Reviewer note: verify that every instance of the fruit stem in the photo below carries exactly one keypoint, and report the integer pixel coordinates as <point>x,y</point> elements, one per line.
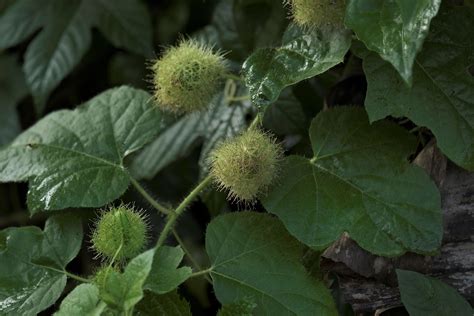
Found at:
<point>256,121</point>
<point>172,217</point>
<point>144,193</point>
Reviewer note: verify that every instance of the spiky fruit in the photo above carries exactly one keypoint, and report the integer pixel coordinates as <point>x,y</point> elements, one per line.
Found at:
<point>187,77</point>
<point>246,165</point>
<point>102,274</point>
<point>318,13</point>
<point>120,227</point>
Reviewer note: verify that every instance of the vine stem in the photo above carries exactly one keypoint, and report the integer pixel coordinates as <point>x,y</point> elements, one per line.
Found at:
<point>189,255</point>
<point>172,217</point>
<point>150,200</point>
<point>76,277</point>
<point>239,98</point>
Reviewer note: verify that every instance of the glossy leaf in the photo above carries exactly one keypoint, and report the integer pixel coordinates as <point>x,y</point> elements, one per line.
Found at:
<point>122,291</point>
<point>32,264</point>
<point>12,89</point>
<point>359,182</point>
<point>442,94</point>
<point>165,275</point>
<point>395,29</point>
<point>304,53</point>
<point>170,304</point>
<point>75,158</point>
<point>254,258</point>
<point>66,35</point>
<point>426,296</point>
<point>84,300</point>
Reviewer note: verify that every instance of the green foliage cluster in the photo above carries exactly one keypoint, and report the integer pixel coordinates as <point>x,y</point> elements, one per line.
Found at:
<point>341,161</point>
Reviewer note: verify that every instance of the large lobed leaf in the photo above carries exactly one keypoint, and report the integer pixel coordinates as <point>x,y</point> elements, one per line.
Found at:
<point>304,53</point>
<point>358,181</point>
<point>75,158</point>
<point>426,296</point>
<point>395,29</point>
<point>170,304</point>
<point>66,35</point>
<point>254,258</point>
<point>32,264</point>
<point>442,95</point>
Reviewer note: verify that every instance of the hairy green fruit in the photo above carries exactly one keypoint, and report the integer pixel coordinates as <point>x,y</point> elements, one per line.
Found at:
<point>246,165</point>
<point>187,77</point>
<point>317,13</point>
<point>120,233</point>
<point>102,274</point>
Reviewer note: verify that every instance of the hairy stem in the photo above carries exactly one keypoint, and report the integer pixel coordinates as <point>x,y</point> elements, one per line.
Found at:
<point>189,255</point>
<point>172,217</point>
<point>202,272</point>
<point>144,193</point>
<point>76,277</point>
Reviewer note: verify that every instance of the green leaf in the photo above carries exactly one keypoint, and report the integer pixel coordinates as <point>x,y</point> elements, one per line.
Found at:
<point>359,182</point>
<point>32,264</point>
<point>395,29</point>
<point>242,308</point>
<point>253,257</point>
<point>82,301</point>
<point>165,276</point>
<point>286,115</point>
<point>426,296</point>
<point>121,291</point>
<point>66,35</point>
<point>12,89</point>
<point>442,94</point>
<point>75,158</point>
<point>170,304</point>
<point>304,53</point>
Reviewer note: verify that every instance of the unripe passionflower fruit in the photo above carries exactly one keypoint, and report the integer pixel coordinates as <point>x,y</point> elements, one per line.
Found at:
<point>102,274</point>
<point>317,13</point>
<point>246,165</point>
<point>120,227</point>
<point>187,76</point>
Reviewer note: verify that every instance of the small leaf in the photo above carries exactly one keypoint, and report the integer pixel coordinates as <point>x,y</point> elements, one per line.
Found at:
<point>170,304</point>
<point>122,291</point>
<point>304,53</point>
<point>426,296</point>
<point>75,158</point>
<point>32,263</point>
<point>82,301</point>
<point>395,29</point>
<point>165,275</point>
<point>359,182</point>
<point>66,35</point>
<point>442,94</point>
<point>253,257</point>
